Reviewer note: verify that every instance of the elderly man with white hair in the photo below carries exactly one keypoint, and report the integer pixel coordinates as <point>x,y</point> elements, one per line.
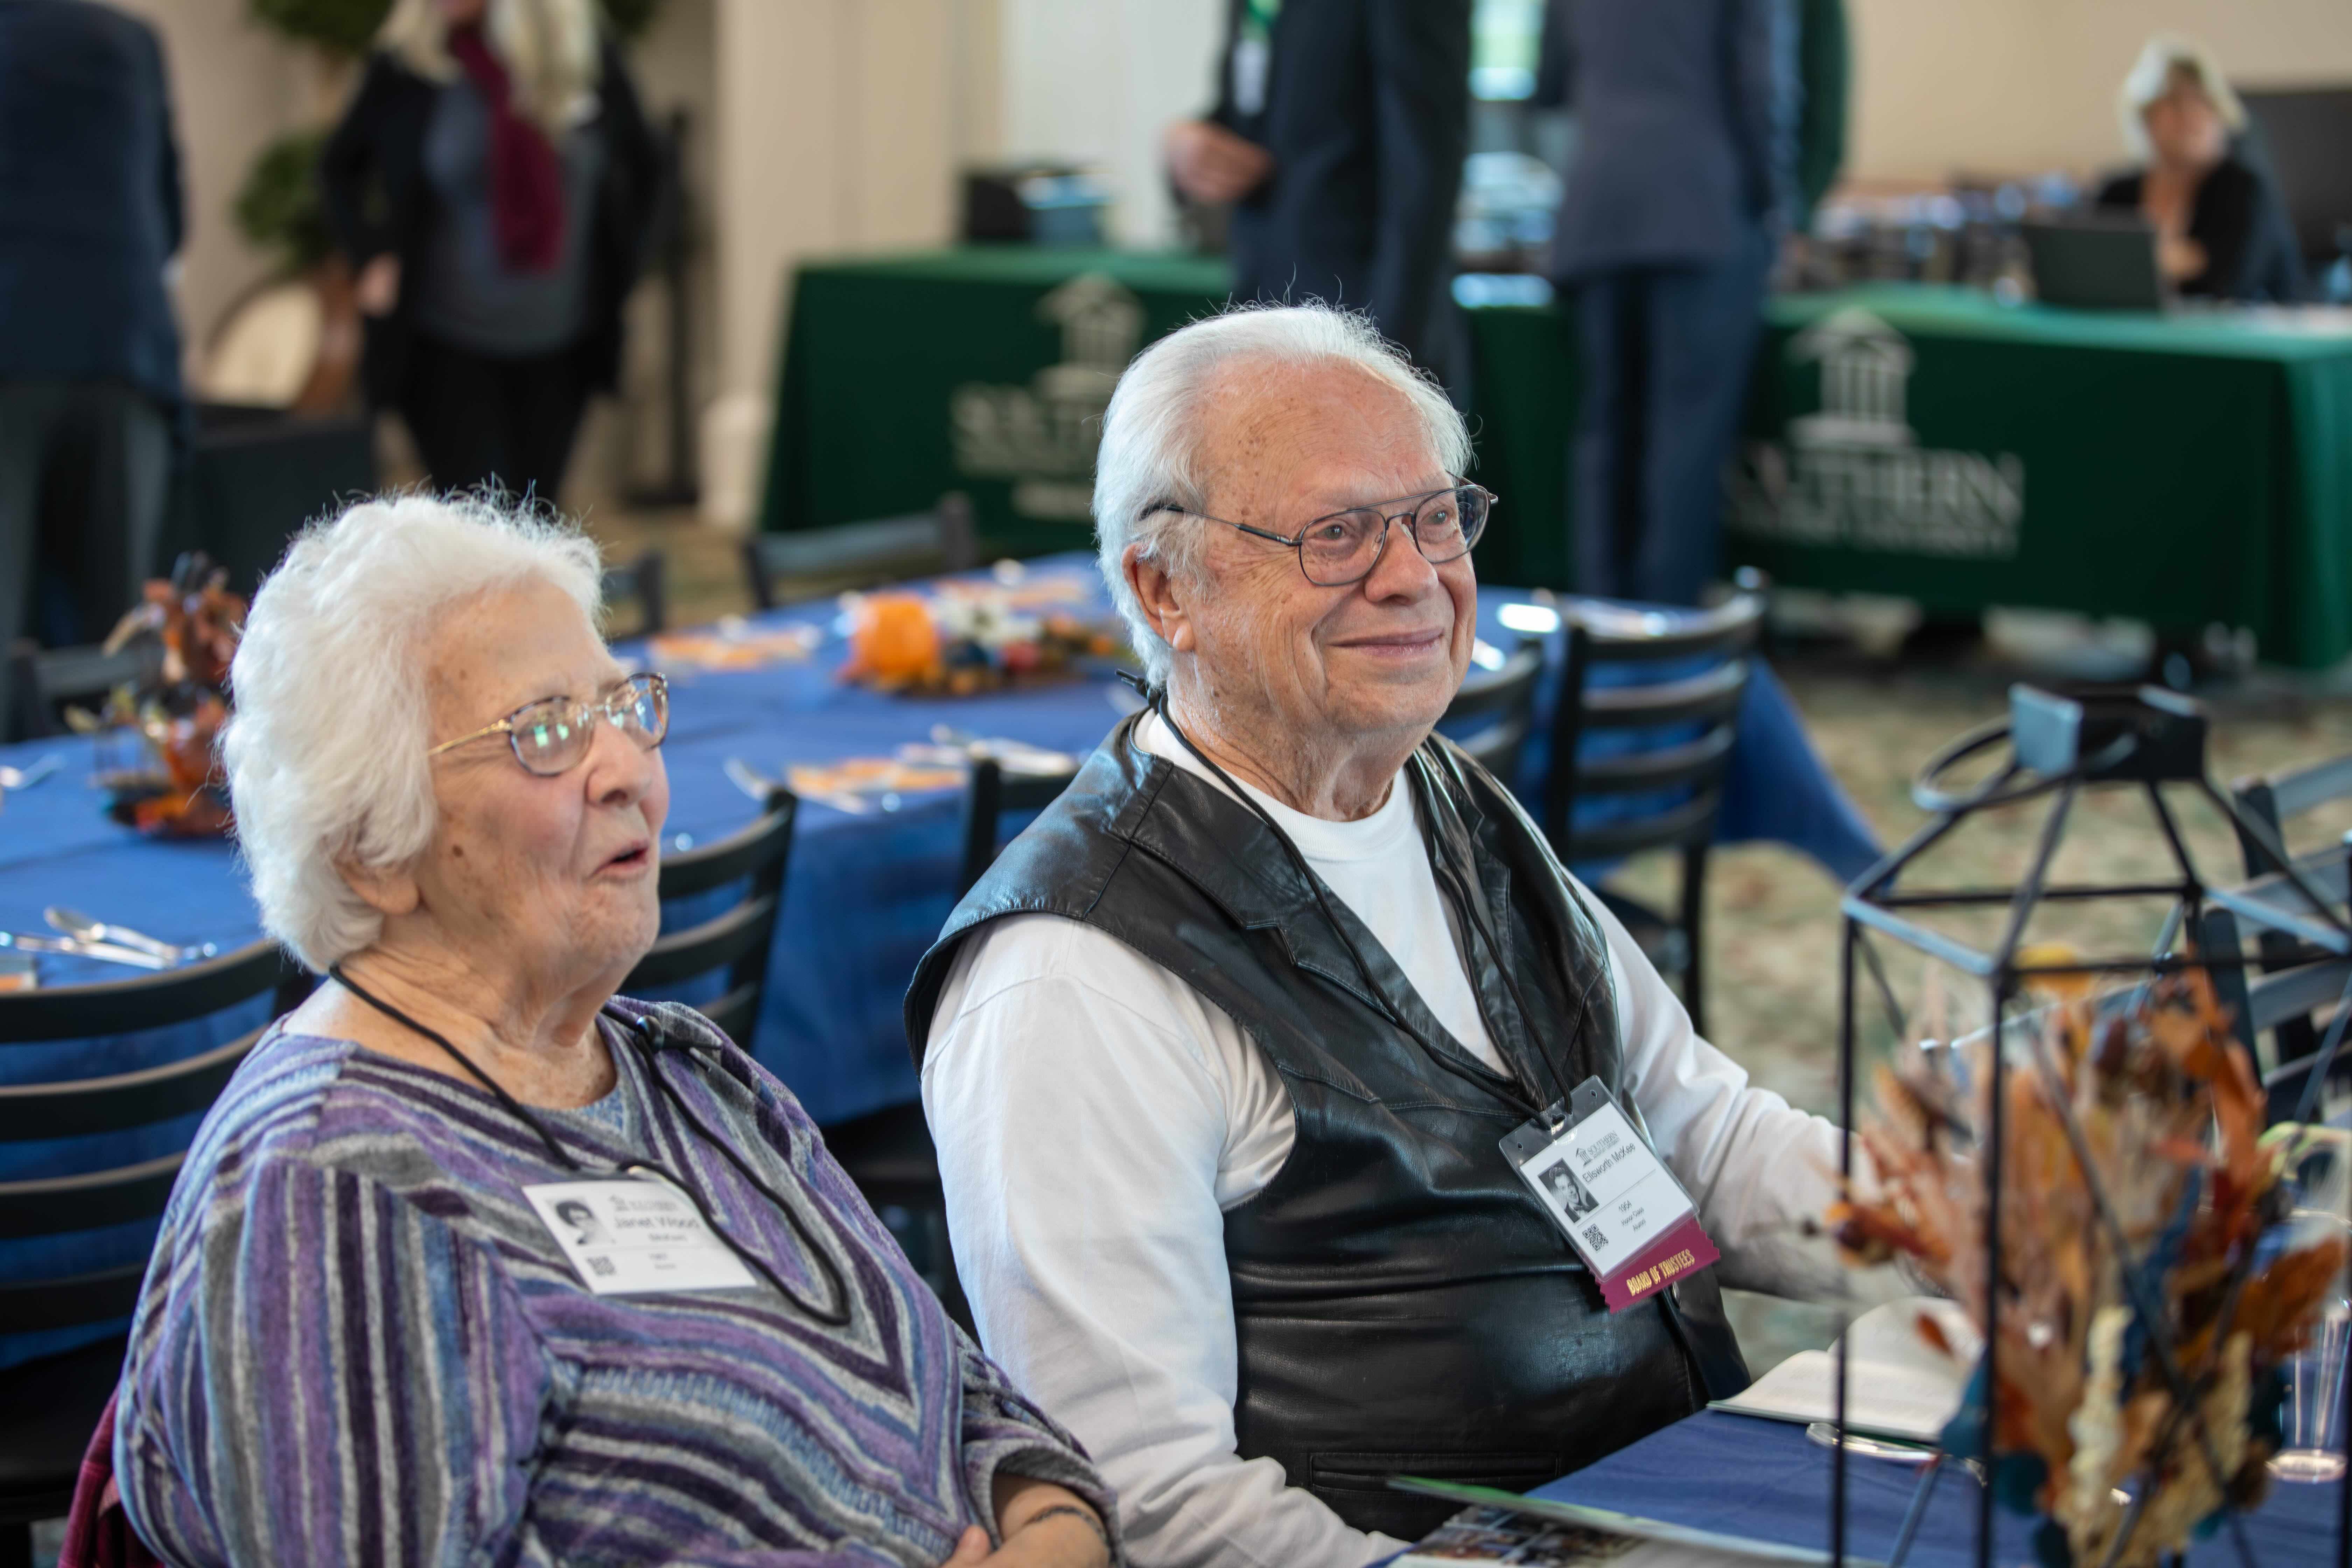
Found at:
<point>1218,1053</point>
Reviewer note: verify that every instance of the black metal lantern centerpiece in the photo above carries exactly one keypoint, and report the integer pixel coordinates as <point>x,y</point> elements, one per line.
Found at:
<point>2060,746</point>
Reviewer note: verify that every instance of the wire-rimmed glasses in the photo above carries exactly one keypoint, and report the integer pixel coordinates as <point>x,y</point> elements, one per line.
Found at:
<point>552,735</point>
<point>1345,547</point>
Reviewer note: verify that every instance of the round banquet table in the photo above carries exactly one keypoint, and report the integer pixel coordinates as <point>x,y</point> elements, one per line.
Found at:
<point>865,895</point>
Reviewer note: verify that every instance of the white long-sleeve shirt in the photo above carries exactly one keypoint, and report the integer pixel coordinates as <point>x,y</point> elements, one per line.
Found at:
<point>1096,1116</point>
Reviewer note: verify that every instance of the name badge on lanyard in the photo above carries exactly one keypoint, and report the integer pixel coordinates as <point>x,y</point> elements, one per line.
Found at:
<point>630,1237</point>
<point>1610,1196</point>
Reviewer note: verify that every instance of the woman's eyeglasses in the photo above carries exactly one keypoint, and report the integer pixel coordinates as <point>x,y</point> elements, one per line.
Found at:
<point>552,735</point>
<point>1345,547</point>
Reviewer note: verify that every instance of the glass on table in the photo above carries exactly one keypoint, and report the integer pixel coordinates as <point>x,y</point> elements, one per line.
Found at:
<point>2310,1416</point>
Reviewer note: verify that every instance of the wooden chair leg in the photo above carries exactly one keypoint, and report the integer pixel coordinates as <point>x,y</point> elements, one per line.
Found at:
<point>1694,954</point>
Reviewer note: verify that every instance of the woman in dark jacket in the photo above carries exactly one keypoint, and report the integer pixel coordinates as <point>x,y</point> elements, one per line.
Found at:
<point>2221,229</point>
<point>491,184</point>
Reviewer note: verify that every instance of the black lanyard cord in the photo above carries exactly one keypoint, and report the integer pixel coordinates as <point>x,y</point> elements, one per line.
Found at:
<point>834,1316</point>
<point>1436,1053</point>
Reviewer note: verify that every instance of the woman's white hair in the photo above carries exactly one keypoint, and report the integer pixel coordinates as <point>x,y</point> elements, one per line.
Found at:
<point>549,47</point>
<point>2152,73</point>
<point>325,748</point>
<point>1150,455</point>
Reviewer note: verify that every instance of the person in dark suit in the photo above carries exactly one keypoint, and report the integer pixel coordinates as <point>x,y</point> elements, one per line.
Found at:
<point>491,184</point>
<point>1673,205</point>
<point>89,355</point>
<point>1339,130</point>
<point>2220,224</point>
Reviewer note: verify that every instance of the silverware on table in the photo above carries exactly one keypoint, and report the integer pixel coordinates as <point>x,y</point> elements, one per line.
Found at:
<point>87,928</point>
<point>26,778</point>
<point>757,785</point>
<point>105,951</point>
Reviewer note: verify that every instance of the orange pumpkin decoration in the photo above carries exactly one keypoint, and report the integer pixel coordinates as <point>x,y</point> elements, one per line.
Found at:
<point>892,641</point>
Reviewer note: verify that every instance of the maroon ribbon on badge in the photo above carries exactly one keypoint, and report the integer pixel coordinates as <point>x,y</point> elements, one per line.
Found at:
<point>1684,1249</point>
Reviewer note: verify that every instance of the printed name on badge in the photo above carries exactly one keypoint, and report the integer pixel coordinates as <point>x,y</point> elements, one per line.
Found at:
<point>625,1237</point>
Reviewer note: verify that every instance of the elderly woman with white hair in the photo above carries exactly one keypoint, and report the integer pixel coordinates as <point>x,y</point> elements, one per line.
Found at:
<point>2221,226</point>
<point>1218,1053</point>
<point>473,1261</point>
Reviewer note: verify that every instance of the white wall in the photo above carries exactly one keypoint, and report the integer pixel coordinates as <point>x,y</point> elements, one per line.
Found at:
<point>1098,80</point>
<point>2014,86</point>
<point>235,87</point>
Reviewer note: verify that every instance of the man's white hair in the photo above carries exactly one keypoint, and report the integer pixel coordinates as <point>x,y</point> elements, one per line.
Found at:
<point>1151,456</point>
<point>325,748</point>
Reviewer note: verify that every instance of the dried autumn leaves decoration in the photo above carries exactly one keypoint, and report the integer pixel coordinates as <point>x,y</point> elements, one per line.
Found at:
<point>2101,1426</point>
<point>172,790</point>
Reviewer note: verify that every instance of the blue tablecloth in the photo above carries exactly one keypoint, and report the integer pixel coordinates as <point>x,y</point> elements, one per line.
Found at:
<point>1766,1481</point>
<point>865,895</point>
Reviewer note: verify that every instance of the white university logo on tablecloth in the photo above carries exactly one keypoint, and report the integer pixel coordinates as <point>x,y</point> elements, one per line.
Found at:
<point>1042,436</point>
<point>1855,476</point>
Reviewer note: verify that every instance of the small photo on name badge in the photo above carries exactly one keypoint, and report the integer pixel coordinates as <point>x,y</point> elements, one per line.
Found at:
<point>626,1236</point>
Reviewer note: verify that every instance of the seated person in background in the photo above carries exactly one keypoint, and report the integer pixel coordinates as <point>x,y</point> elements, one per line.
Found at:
<point>375,1328</point>
<point>2221,229</point>
<point>1218,1054</point>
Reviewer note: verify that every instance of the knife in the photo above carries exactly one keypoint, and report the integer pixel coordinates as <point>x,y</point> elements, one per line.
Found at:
<point>105,950</point>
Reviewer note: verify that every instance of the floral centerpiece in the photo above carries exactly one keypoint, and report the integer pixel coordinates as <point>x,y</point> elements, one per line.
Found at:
<point>164,783</point>
<point>977,637</point>
<point>2141,1322</point>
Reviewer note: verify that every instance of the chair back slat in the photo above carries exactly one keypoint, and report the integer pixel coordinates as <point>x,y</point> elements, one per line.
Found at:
<point>740,938</point>
<point>1621,634</point>
<point>1507,697</point>
<point>2296,993</point>
<point>54,1205</point>
<point>145,1001</point>
<point>716,943</point>
<point>34,1112</point>
<point>2304,789</point>
<point>883,549</point>
<point>1706,698</point>
<point>40,679</point>
<point>1693,822</point>
<point>42,1305</point>
<point>990,793</point>
<point>1698,762</point>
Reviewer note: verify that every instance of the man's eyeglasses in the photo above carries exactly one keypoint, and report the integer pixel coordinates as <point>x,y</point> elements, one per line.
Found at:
<point>1345,547</point>
<point>552,735</point>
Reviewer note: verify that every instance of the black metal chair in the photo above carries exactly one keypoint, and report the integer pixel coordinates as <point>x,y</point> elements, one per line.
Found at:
<point>645,584</point>
<point>992,793</point>
<point>49,1408</point>
<point>2284,1014</point>
<point>42,680</point>
<point>1689,771</point>
<point>861,554</point>
<point>739,938</point>
<point>2274,801</point>
<point>1491,716</point>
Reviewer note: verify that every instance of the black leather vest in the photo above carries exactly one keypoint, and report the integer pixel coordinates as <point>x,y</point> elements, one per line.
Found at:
<point>1402,1304</point>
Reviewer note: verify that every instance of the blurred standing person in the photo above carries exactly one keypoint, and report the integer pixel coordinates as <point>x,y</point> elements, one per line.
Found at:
<point>1675,200</point>
<point>90,216</point>
<point>491,184</point>
<point>2221,227</point>
<point>1339,134</point>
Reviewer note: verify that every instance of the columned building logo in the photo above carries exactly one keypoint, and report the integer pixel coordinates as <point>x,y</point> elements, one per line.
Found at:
<point>1854,476</point>
<point>1042,436</point>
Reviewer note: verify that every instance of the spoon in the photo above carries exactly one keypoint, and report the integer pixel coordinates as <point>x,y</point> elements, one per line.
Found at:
<point>87,928</point>
<point>26,778</point>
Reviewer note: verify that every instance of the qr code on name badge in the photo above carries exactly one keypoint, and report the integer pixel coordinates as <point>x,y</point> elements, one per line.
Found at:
<point>602,1265</point>
<point>1595,1237</point>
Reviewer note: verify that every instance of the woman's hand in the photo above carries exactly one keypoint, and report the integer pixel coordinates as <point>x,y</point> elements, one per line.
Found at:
<point>377,290</point>
<point>1059,1540</point>
<point>1212,166</point>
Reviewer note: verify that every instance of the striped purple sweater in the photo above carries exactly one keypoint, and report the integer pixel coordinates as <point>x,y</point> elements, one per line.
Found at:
<point>358,1343</point>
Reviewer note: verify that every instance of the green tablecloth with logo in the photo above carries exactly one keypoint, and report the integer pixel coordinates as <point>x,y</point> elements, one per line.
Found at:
<point>1924,442</point>
<point>1935,444</point>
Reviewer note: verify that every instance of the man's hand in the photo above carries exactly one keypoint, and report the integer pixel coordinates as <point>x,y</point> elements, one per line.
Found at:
<point>1213,166</point>
<point>1063,1540</point>
<point>377,288</point>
